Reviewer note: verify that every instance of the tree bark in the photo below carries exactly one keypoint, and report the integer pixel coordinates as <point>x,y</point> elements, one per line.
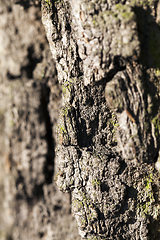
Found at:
<point>107,58</point>
<point>31,206</point>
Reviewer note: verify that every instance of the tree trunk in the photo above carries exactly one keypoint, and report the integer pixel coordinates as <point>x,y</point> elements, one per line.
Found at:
<point>107,58</point>
<point>31,206</point>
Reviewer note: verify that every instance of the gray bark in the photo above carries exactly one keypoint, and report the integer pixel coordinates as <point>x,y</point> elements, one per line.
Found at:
<point>31,206</point>
<point>107,158</point>
<point>107,58</point>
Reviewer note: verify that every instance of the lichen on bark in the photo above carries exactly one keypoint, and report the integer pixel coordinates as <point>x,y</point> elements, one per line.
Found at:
<point>108,133</point>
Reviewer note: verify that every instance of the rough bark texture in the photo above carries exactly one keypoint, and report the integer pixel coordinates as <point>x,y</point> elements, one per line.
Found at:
<point>107,158</point>
<point>107,58</point>
<point>31,206</point>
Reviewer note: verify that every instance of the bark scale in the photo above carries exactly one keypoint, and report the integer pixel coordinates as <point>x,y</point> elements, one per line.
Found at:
<point>107,58</point>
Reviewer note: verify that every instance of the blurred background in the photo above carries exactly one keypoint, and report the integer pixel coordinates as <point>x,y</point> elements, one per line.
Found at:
<point>31,206</point>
